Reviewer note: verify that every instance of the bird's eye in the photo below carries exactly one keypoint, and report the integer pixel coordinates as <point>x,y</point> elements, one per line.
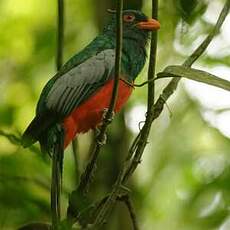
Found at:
<point>129,18</point>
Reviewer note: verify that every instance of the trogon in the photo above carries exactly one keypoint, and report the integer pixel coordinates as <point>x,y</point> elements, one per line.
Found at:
<point>74,100</point>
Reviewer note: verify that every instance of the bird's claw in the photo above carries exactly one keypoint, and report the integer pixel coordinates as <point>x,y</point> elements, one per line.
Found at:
<point>102,140</point>
<point>104,115</point>
<point>97,131</point>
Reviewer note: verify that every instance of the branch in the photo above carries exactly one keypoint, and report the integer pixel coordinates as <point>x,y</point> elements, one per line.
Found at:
<point>76,159</point>
<point>152,61</point>
<point>153,112</point>
<point>110,202</point>
<point>13,139</point>
<point>140,142</point>
<point>35,225</point>
<point>37,181</point>
<point>157,108</point>
<point>151,75</point>
<point>56,170</point>
<point>16,179</point>
<point>60,34</point>
<point>16,140</point>
<point>87,175</point>
<point>85,179</point>
<point>129,204</point>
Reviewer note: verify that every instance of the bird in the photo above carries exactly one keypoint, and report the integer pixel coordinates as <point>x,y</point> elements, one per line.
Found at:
<point>74,100</point>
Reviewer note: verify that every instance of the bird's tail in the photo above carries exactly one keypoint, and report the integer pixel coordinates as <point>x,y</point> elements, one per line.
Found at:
<point>36,128</point>
<point>57,168</point>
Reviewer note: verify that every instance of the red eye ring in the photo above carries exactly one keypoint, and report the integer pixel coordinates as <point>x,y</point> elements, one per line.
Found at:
<point>128,18</point>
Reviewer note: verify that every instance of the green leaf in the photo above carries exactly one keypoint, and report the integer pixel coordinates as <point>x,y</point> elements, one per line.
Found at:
<point>196,75</point>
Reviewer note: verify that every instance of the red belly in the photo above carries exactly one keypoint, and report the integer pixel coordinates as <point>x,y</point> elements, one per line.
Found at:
<point>89,114</point>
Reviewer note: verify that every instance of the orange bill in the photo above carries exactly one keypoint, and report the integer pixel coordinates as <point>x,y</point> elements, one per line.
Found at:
<point>151,24</point>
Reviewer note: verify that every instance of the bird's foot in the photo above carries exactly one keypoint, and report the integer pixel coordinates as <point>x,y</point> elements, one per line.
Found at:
<point>96,132</point>
<point>100,140</point>
<point>104,116</point>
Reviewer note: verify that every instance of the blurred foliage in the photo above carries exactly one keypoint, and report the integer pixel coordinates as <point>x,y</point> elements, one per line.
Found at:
<point>183,181</point>
<point>189,10</point>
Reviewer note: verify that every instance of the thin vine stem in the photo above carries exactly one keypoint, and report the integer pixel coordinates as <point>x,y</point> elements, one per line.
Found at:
<point>152,61</point>
<point>86,177</point>
<point>118,187</point>
<point>60,34</point>
<point>136,152</point>
<point>131,163</point>
<point>157,108</point>
<point>55,183</point>
<point>129,204</point>
<point>87,174</point>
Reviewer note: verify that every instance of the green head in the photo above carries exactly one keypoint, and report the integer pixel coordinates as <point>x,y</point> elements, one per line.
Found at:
<point>136,30</point>
<point>135,24</point>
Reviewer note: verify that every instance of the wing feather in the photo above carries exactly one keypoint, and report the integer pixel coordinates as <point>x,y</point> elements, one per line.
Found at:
<point>75,86</point>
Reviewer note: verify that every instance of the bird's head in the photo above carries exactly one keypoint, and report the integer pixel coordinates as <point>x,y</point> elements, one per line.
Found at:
<point>136,30</point>
<point>135,24</point>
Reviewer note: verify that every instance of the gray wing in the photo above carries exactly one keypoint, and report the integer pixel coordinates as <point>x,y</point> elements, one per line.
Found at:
<point>75,86</point>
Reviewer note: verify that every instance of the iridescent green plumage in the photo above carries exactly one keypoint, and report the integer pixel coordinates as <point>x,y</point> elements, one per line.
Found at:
<point>49,111</point>
<point>82,89</point>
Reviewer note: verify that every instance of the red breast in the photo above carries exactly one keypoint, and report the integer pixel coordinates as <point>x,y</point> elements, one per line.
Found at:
<point>89,114</point>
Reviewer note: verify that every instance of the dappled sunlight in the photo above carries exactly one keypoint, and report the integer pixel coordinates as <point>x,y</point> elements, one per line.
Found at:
<point>214,102</point>
<point>135,118</point>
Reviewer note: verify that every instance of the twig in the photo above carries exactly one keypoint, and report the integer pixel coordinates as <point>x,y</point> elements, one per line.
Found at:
<point>86,177</point>
<point>55,181</point>
<point>129,204</point>
<point>55,193</point>
<point>140,142</point>
<point>151,74</point>
<point>151,77</point>
<point>110,202</point>
<point>60,34</point>
<point>145,82</point>
<point>76,160</point>
<point>16,140</point>
<point>107,207</point>
<point>16,179</point>
<point>152,61</point>
<point>35,225</point>
<point>100,218</point>
<point>157,108</point>
<point>37,181</point>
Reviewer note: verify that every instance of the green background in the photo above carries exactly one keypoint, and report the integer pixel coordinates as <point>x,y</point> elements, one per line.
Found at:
<point>183,179</point>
